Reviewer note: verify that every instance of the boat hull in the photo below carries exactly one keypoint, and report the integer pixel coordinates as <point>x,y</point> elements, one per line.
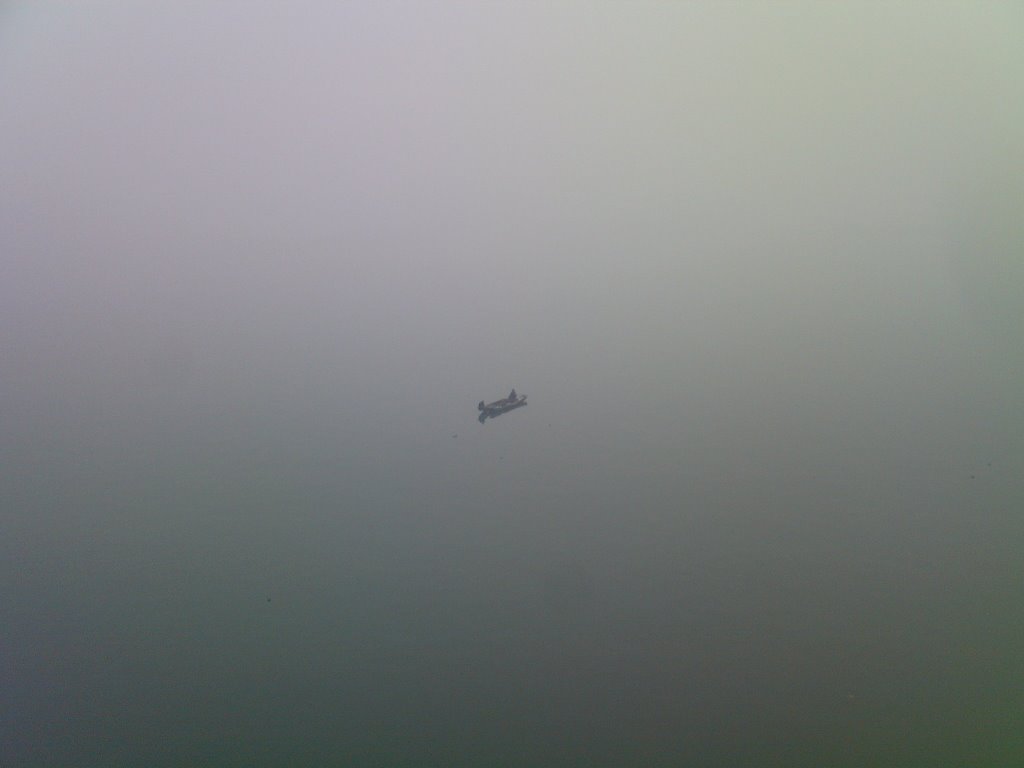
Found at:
<point>490,410</point>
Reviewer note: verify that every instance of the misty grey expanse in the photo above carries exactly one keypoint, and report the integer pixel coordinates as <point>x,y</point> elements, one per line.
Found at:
<point>759,269</point>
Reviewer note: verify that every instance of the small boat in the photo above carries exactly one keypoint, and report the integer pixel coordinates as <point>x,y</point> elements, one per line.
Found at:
<point>498,407</point>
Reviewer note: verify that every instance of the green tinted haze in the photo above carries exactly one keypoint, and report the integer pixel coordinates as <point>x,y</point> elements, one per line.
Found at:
<point>758,267</point>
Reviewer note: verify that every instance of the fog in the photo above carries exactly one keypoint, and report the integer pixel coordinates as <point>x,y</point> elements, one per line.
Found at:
<point>757,267</point>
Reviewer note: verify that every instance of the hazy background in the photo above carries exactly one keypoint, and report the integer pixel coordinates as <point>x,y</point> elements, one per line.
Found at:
<point>758,268</point>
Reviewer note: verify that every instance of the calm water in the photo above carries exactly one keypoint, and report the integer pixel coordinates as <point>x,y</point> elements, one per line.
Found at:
<point>596,579</point>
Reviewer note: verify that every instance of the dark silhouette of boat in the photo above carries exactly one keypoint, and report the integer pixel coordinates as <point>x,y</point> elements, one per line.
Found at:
<point>498,407</point>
